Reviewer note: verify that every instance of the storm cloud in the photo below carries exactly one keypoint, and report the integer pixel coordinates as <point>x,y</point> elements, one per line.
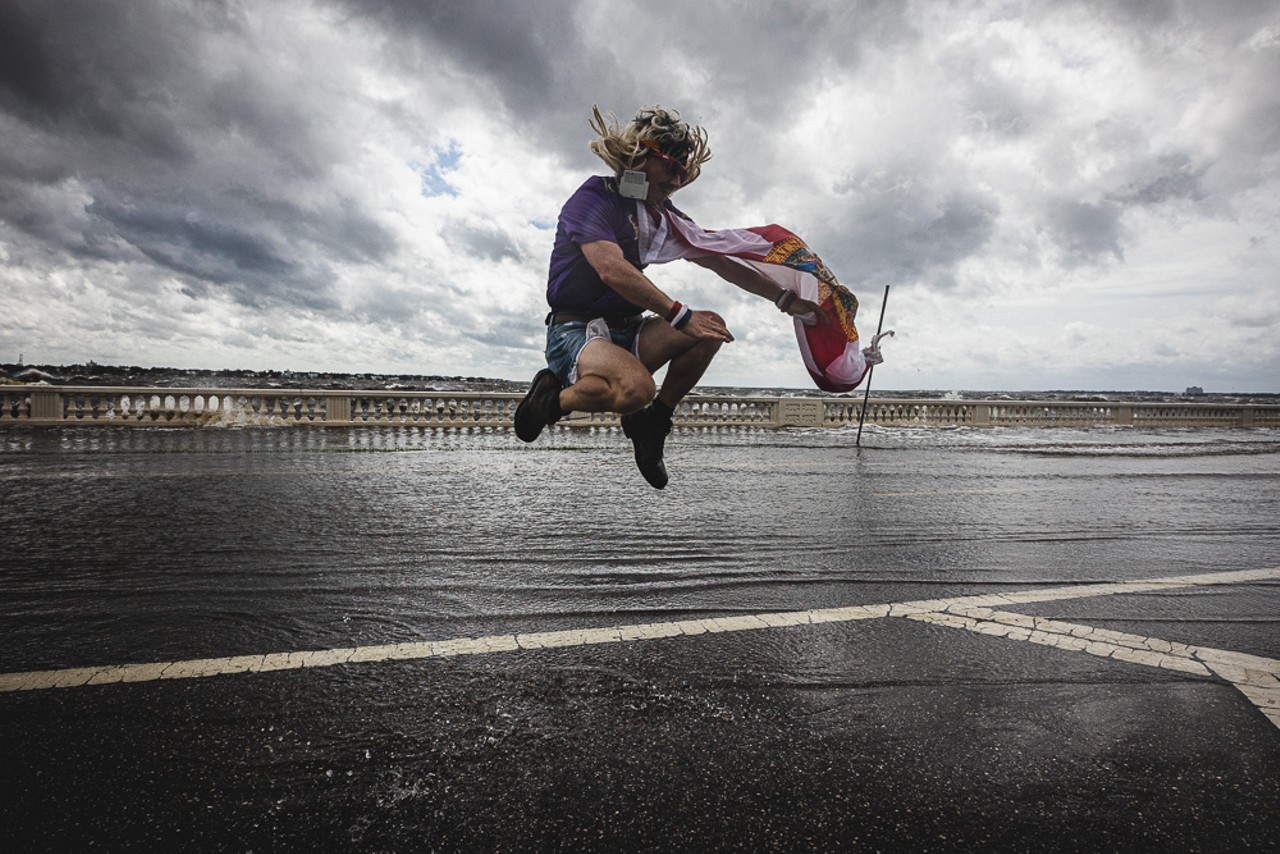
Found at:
<point>1060,195</point>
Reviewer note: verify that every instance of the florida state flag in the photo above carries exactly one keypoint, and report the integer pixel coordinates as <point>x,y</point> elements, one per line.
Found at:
<point>830,351</point>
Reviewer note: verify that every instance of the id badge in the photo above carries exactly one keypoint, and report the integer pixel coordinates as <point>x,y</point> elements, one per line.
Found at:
<point>634,185</point>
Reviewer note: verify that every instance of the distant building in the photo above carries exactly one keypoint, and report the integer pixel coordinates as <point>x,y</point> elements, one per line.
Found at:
<point>1193,390</point>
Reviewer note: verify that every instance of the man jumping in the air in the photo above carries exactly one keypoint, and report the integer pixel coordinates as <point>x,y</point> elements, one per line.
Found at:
<point>602,349</point>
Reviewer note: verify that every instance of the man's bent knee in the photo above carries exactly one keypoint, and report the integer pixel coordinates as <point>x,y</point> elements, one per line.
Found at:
<point>634,393</point>
<point>709,346</point>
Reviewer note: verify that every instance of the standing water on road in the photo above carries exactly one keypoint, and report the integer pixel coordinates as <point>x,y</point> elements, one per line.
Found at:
<point>154,543</point>
<point>139,546</point>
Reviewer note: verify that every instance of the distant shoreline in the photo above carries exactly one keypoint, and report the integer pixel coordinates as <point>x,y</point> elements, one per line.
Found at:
<point>92,374</point>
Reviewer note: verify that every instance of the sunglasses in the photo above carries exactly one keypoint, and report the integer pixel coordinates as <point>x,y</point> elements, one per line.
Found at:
<point>676,166</point>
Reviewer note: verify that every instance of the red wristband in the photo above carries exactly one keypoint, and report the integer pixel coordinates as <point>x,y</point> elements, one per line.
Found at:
<point>681,316</point>
<point>675,311</point>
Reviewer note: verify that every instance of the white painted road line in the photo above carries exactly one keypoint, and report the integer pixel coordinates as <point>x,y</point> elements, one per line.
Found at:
<point>1258,678</point>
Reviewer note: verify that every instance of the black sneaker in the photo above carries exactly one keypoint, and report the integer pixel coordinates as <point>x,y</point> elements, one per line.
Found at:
<point>648,431</point>
<point>531,414</point>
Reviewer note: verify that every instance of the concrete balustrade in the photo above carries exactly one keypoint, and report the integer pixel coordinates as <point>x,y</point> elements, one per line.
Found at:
<point>171,407</point>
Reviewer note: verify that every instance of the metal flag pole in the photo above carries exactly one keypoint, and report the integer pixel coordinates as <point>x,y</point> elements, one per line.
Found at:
<point>866,394</point>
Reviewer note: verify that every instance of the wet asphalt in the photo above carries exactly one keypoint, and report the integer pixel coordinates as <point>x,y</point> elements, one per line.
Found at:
<point>883,734</point>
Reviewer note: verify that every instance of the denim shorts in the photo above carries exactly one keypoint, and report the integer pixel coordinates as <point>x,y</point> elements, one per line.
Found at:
<point>566,340</point>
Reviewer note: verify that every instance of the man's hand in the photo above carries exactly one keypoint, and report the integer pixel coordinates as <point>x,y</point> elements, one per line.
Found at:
<point>801,307</point>
<point>707,324</point>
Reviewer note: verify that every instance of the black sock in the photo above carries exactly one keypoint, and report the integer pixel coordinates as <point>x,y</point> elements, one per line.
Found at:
<point>661,409</point>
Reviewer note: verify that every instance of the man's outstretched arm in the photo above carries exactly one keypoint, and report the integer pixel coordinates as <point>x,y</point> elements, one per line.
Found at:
<point>753,281</point>
<point>606,258</point>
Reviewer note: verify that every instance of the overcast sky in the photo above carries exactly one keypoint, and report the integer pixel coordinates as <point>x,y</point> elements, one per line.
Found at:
<point>1061,195</point>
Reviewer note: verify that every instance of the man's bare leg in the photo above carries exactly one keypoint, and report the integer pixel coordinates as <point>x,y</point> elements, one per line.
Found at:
<point>688,359</point>
<point>609,380</point>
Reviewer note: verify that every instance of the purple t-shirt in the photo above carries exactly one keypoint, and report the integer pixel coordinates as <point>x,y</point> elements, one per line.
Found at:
<point>595,212</point>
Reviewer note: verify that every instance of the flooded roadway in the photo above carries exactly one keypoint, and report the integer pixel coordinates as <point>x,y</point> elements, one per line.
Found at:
<point>795,645</point>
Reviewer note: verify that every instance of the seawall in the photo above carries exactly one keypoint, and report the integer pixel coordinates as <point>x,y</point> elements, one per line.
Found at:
<point>174,407</point>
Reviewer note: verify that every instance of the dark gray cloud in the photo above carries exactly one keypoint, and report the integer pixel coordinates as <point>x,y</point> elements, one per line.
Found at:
<point>887,229</point>
<point>508,330</point>
<point>1155,22</point>
<point>518,46</point>
<point>1169,178</point>
<point>204,252</point>
<point>546,63</point>
<point>194,170</point>
<point>103,70</point>
<point>1085,233</point>
<point>485,241</point>
<point>528,59</point>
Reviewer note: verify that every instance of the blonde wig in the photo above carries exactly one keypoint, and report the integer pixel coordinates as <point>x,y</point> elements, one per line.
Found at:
<point>626,147</point>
